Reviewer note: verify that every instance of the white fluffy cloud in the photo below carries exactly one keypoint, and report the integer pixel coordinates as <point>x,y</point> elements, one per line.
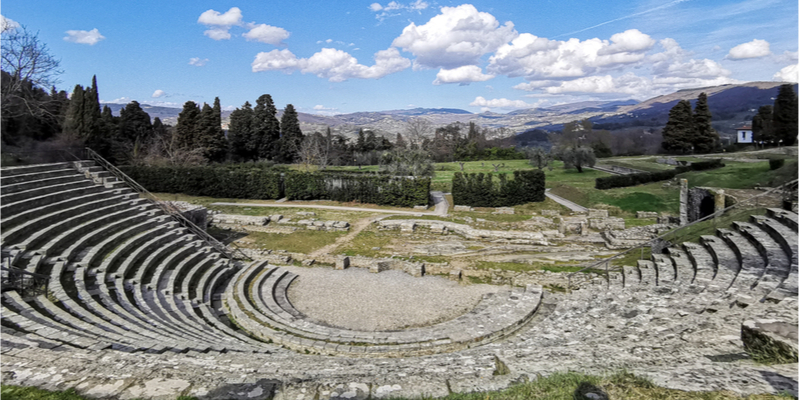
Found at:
<point>541,58</point>
<point>158,93</point>
<point>670,64</point>
<point>229,18</point>
<point>499,103</point>
<point>465,74</point>
<point>267,34</point>
<point>84,37</point>
<point>458,36</point>
<point>392,8</point>
<point>790,73</point>
<point>626,84</point>
<point>332,64</point>
<point>197,61</point>
<point>7,24</point>
<point>755,49</point>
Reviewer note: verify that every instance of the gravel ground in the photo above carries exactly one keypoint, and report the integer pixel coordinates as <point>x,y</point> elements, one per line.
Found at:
<point>357,299</point>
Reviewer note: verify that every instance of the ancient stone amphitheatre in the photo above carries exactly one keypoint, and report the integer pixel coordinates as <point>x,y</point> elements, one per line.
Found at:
<point>138,305</point>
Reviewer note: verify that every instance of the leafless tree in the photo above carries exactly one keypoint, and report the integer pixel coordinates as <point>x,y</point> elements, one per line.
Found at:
<point>314,152</point>
<point>29,65</point>
<point>418,129</point>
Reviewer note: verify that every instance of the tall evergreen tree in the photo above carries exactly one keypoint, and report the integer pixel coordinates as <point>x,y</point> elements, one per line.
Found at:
<point>186,130</point>
<point>291,135</point>
<point>211,137</point>
<point>762,125</point>
<point>705,138</point>
<point>679,129</point>
<point>73,121</point>
<point>372,142</point>
<point>361,141</point>
<point>91,110</point>
<point>399,142</point>
<point>240,130</point>
<point>784,115</point>
<point>267,130</point>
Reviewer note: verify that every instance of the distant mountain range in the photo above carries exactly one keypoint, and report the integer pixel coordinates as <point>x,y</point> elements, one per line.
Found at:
<point>730,105</point>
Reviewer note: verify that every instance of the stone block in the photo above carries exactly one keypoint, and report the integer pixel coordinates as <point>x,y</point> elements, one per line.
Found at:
<point>504,210</point>
<point>420,207</point>
<point>306,213</point>
<point>550,213</point>
<point>439,229</point>
<point>605,224</point>
<point>463,208</point>
<point>646,214</point>
<point>594,213</point>
<point>342,262</point>
<point>379,266</point>
<point>407,226</point>
<point>275,217</point>
<point>455,275</point>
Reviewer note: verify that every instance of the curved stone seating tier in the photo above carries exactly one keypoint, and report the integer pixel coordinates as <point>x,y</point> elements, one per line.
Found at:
<point>115,262</point>
<point>751,262</point>
<point>256,299</point>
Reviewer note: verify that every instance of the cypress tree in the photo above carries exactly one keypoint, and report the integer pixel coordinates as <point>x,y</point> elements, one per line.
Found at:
<point>211,135</point>
<point>240,129</point>
<point>679,129</point>
<point>784,115</point>
<point>186,130</point>
<point>705,137</point>
<point>399,142</point>
<point>73,121</point>
<point>91,110</point>
<point>291,135</point>
<point>762,125</point>
<point>267,130</point>
<point>361,142</point>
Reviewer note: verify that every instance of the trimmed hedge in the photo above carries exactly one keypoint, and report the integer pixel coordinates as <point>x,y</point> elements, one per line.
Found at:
<point>212,181</point>
<point>381,189</point>
<point>479,190</point>
<point>615,181</point>
<point>238,182</point>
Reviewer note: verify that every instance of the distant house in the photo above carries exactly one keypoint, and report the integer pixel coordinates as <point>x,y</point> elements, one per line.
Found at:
<point>744,134</point>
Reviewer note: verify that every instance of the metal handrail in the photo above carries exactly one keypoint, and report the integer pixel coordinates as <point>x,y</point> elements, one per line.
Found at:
<point>168,208</point>
<point>661,237</point>
<point>25,282</point>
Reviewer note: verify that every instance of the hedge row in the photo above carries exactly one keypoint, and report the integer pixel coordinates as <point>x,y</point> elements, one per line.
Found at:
<point>212,181</point>
<point>382,189</point>
<point>264,183</point>
<point>479,190</point>
<point>615,181</point>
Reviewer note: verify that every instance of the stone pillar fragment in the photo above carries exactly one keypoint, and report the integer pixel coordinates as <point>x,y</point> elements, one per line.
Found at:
<point>684,202</point>
<point>719,201</point>
<point>343,262</point>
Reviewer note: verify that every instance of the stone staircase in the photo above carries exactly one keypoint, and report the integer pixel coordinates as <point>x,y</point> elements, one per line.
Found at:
<point>749,262</point>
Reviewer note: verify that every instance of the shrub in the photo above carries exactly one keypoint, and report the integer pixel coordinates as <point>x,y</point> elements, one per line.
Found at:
<point>775,163</point>
<point>375,189</point>
<point>479,190</point>
<point>610,182</point>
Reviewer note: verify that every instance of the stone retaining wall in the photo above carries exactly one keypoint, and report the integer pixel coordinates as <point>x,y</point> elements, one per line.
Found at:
<point>467,231</point>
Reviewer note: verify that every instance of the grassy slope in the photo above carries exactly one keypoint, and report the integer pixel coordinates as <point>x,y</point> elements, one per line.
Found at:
<point>558,386</point>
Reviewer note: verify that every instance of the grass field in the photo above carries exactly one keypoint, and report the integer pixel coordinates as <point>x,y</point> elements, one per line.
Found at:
<point>557,386</point>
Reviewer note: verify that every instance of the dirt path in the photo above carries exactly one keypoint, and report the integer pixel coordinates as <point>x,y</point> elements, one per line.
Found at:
<point>355,229</point>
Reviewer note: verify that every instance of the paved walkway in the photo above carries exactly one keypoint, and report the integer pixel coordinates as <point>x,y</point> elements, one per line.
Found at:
<point>564,202</point>
<point>440,206</point>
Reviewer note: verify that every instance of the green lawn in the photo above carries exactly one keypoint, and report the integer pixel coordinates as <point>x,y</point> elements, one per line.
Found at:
<point>301,241</point>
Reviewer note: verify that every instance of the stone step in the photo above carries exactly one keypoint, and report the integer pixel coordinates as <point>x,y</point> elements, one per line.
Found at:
<point>10,209</point>
<point>11,221</point>
<point>727,264</point>
<point>787,218</point>
<point>683,266</point>
<point>42,183</point>
<point>34,176</point>
<point>631,275</point>
<point>87,243</point>
<point>664,268</point>
<point>32,169</point>
<point>703,264</point>
<point>782,234</point>
<point>751,263</point>
<point>11,198</point>
<point>777,261</point>
<point>648,272</point>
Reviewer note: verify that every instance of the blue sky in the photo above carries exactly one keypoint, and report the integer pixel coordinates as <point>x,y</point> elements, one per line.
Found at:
<point>340,57</point>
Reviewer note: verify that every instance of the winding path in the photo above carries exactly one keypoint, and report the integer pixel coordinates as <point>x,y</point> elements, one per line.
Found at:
<point>564,202</point>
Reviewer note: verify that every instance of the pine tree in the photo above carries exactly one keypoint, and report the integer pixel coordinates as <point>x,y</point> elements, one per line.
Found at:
<point>267,130</point>
<point>705,138</point>
<point>240,129</point>
<point>679,129</point>
<point>186,130</point>
<point>372,142</point>
<point>784,115</point>
<point>291,135</point>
